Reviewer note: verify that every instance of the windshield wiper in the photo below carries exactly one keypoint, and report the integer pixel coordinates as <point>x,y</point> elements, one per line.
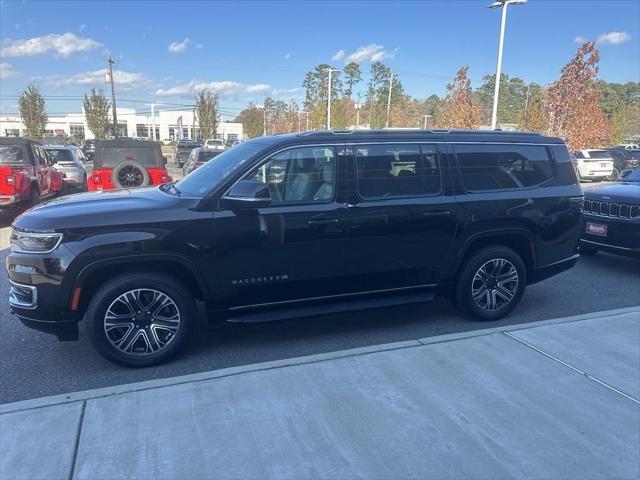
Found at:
<point>171,186</point>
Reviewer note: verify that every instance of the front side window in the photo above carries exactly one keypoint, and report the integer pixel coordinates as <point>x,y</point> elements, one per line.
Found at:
<point>298,175</point>
<point>390,170</point>
<point>497,167</point>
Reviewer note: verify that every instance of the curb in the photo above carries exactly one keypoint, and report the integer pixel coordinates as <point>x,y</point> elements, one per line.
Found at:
<point>231,371</point>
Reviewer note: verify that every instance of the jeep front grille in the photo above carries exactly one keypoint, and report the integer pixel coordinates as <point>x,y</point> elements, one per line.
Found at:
<point>609,209</point>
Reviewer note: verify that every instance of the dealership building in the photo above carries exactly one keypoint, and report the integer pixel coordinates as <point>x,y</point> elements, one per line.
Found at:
<point>167,125</point>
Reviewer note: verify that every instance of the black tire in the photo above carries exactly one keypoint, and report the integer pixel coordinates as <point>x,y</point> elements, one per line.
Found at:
<point>130,174</point>
<point>615,175</point>
<point>467,280</point>
<point>587,250</point>
<point>107,296</point>
<point>84,186</point>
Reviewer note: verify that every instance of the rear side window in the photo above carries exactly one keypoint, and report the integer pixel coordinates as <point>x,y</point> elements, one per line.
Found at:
<point>400,170</point>
<point>60,155</point>
<point>497,167</point>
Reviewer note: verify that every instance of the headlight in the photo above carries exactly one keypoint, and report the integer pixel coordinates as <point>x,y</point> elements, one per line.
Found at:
<point>27,242</point>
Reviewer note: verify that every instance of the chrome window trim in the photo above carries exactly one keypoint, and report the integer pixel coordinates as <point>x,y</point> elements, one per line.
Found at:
<point>605,245</point>
<point>13,301</point>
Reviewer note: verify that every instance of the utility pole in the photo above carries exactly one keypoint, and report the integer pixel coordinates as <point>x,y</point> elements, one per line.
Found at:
<point>357,107</point>
<point>193,123</point>
<point>330,70</point>
<point>113,99</point>
<point>526,105</point>
<point>386,125</point>
<point>425,120</point>
<point>306,119</point>
<point>153,121</point>
<point>264,121</point>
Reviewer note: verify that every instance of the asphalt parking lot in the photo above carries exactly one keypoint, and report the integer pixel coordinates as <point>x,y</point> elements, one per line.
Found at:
<point>34,364</point>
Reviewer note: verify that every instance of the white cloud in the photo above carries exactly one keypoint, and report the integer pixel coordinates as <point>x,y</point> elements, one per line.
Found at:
<point>63,45</point>
<point>287,56</point>
<point>179,47</point>
<point>122,79</point>
<point>369,53</point>
<point>199,45</point>
<point>339,55</point>
<point>82,27</point>
<point>226,88</point>
<point>613,38</point>
<point>6,71</point>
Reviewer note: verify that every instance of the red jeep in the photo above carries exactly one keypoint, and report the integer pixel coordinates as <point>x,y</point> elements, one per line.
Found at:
<point>127,163</point>
<point>27,174</point>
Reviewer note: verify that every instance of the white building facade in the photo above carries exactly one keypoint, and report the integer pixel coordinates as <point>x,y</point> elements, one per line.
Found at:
<point>163,125</point>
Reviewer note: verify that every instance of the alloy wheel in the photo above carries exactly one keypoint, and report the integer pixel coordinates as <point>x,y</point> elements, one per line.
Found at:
<point>494,284</point>
<point>141,322</point>
<point>130,176</point>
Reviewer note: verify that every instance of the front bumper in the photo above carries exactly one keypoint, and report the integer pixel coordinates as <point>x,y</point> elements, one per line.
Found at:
<point>622,234</point>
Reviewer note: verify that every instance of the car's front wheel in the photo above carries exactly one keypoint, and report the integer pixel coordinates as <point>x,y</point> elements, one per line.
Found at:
<point>140,319</point>
<point>491,283</point>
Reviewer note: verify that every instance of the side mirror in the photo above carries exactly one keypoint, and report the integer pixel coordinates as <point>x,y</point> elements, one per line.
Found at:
<point>247,194</point>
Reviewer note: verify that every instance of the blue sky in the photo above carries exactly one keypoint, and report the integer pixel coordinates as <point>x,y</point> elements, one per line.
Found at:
<point>246,50</point>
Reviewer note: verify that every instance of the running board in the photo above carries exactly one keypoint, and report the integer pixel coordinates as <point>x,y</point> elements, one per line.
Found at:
<point>286,313</point>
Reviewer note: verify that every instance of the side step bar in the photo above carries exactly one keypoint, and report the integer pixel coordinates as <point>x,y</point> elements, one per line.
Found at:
<point>353,304</point>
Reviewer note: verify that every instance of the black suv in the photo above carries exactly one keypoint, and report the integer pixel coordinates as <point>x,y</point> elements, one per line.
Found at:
<point>300,224</point>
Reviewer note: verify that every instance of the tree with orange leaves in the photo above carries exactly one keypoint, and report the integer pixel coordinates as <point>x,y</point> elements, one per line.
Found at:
<point>574,107</point>
<point>458,109</point>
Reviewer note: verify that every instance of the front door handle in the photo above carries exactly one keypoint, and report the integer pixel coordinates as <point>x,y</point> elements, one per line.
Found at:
<point>443,213</point>
<point>323,223</point>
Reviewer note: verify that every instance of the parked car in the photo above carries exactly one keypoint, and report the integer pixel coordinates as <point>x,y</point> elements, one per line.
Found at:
<point>89,150</point>
<point>593,164</point>
<point>622,160</point>
<point>612,217</point>
<point>214,144</point>
<point>199,156</point>
<point>27,174</point>
<point>232,142</point>
<point>183,150</point>
<point>628,146</point>
<point>69,161</point>
<point>349,221</point>
<point>128,163</point>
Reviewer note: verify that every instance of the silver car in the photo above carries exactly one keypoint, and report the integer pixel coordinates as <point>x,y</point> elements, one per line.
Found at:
<point>69,160</point>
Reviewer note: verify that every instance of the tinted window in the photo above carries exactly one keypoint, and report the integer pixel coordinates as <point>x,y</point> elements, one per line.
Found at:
<point>206,156</point>
<point>110,157</point>
<point>495,167</point>
<point>599,154</point>
<point>11,154</point>
<point>397,170</point>
<point>298,175</point>
<point>60,155</point>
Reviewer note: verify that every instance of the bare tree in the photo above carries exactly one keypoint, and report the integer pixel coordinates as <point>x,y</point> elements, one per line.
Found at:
<point>207,112</point>
<point>458,109</point>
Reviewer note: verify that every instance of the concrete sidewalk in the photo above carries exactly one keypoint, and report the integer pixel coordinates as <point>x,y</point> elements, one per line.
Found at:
<point>553,399</point>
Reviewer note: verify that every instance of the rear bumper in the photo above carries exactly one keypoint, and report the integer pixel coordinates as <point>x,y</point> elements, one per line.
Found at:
<point>9,200</point>
<point>541,273</point>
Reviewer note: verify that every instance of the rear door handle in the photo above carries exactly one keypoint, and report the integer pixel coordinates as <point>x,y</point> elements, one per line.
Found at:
<point>323,223</point>
<point>443,213</point>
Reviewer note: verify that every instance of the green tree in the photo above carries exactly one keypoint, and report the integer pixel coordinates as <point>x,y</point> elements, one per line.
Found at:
<point>32,111</point>
<point>352,76</point>
<point>96,111</point>
<point>207,112</point>
<point>316,84</point>
<point>378,94</point>
<point>251,119</point>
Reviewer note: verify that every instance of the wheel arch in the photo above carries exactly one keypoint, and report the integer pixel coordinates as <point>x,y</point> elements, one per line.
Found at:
<point>92,276</point>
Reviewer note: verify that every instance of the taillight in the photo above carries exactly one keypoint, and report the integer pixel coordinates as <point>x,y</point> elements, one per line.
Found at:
<point>11,179</point>
<point>166,178</point>
<point>96,179</point>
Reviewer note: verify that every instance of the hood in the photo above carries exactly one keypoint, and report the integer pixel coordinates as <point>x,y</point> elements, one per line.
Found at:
<point>615,193</point>
<point>114,207</point>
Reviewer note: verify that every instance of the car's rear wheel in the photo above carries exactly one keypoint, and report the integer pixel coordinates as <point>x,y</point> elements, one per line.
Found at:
<point>34,197</point>
<point>615,175</point>
<point>491,283</point>
<point>140,319</point>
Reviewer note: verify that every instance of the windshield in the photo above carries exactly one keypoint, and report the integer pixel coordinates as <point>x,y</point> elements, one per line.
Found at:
<point>110,157</point>
<point>632,177</point>
<point>11,154</point>
<point>60,155</point>
<point>210,175</point>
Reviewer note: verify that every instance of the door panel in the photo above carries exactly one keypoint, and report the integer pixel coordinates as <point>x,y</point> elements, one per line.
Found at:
<point>294,248</point>
<point>398,241</point>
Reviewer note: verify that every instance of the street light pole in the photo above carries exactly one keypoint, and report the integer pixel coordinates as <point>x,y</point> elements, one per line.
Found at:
<point>386,124</point>
<point>425,120</point>
<point>500,4</point>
